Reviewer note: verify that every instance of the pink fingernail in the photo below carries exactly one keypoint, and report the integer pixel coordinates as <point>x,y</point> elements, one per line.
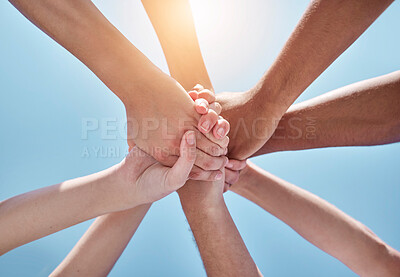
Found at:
<point>218,176</point>
<point>205,126</point>
<point>190,138</point>
<point>229,165</point>
<point>221,132</point>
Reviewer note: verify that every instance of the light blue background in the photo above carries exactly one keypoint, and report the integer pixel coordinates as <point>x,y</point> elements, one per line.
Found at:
<point>45,93</point>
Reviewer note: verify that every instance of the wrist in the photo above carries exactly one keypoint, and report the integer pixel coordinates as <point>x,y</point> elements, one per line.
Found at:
<point>247,178</point>
<point>195,201</point>
<point>202,208</point>
<point>276,89</point>
<point>113,191</point>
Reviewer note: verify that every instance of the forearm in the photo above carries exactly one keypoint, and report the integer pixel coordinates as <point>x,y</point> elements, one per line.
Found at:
<point>103,243</point>
<point>221,247</point>
<point>83,30</point>
<point>364,113</point>
<point>173,23</point>
<point>326,30</point>
<point>50,209</point>
<point>320,223</point>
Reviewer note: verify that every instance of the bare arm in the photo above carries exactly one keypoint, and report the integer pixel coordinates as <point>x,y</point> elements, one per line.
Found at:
<point>158,109</point>
<point>320,223</point>
<point>221,247</point>
<point>173,23</point>
<point>139,179</point>
<point>50,209</point>
<point>103,243</point>
<point>100,247</point>
<point>326,30</point>
<point>83,30</point>
<point>364,113</point>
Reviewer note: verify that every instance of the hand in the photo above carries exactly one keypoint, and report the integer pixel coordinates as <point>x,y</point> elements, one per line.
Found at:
<point>252,122</point>
<point>205,102</point>
<point>144,180</point>
<point>159,121</point>
<point>209,109</point>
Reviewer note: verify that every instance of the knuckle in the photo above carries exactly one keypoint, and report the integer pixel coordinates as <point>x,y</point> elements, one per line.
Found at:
<point>208,164</point>
<point>224,142</point>
<point>215,150</point>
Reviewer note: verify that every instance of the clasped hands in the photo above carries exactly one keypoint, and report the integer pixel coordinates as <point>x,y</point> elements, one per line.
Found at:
<point>151,172</point>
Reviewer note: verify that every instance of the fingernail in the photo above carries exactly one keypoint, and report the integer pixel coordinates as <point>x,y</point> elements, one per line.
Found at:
<point>202,104</point>
<point>218,176</point>
<point>205,125</point>
<point>229,165</point>
<point>221,132</point>
<point>190,138</point>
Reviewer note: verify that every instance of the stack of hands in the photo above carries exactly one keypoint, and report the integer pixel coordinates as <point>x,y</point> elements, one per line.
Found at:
<point>178,139</point>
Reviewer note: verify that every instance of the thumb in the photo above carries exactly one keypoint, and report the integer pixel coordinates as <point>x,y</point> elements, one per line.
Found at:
<point>179,173</point>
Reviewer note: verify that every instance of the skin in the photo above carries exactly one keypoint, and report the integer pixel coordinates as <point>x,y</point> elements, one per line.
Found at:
<point>326,30</point>
<point>139,179</point>
<point>222,249</point>
<point>320,223</point>
<point>158,109</point>
<point>361,114</point>
<point>184,37</point>
<point>117,229</point>
<point>104,242</point>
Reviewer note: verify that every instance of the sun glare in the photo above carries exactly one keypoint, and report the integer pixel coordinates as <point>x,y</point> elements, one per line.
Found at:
<point>206,14</point>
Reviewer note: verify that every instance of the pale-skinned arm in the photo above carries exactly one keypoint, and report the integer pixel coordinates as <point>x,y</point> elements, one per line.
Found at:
<point>158,109</point>
<point>137,180</point>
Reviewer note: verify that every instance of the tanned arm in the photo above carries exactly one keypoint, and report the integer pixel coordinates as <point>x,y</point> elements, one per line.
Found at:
<point>326,30</point>
<point>320,223</point>
<point>361,114</point>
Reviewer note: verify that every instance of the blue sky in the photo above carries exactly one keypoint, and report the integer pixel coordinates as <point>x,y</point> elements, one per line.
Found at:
<point>46,93</point>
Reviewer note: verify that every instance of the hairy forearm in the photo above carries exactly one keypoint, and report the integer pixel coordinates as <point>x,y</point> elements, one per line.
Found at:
<point>221,247</point>
<point>364,113</point>
<point>83,30</point>
<point>319,222</point>
<point>103,243</point>
<point>173,23</point>
<point>327,28</point>
<point>50,209</point>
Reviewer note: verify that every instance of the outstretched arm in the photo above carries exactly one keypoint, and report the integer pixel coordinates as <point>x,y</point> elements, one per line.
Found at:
<point>137,180</point>
<point>326,30</point>
<point>221,247</point>
<point>320,223</point>
<point>173,23</point>
<point>103,243</point>
<point>364,113</point>
<point>159,111</point>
